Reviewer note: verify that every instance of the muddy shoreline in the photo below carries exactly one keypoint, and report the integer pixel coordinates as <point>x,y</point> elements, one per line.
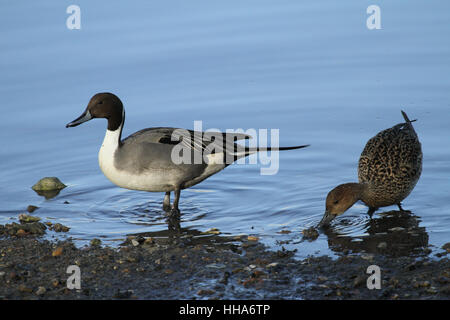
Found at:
<point>209,267</point>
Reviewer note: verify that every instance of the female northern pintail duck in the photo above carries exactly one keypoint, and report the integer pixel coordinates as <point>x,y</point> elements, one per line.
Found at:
<point>388,170</point>
<point>144,160</point>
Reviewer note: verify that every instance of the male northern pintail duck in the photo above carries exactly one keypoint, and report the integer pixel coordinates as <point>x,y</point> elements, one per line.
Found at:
<point>388,170</point>
<point>143,161</point>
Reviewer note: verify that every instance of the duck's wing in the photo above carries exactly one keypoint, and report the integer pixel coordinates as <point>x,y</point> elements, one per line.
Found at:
<point>198,141</point>
<point>393,154</point>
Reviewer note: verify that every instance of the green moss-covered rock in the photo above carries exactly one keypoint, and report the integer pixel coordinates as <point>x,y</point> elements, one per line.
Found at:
<point>24,218</point>
<point>15,229</point>
<point>58,227</point>
<point>96,242</point>
<point>48,184</point>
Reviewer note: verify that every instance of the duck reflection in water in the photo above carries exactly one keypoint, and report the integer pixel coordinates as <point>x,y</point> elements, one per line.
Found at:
<point>395,233</point>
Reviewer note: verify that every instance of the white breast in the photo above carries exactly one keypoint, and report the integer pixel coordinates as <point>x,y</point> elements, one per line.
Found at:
<point>106,158</point>
<point>154,180</point>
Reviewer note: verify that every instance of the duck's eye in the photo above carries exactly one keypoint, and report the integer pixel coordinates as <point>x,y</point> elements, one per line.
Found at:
<point>336,202</point>
<point>101,102</point>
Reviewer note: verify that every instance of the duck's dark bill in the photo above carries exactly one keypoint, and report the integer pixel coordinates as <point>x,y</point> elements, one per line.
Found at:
<point>86,116</point>
<point>326,219</point>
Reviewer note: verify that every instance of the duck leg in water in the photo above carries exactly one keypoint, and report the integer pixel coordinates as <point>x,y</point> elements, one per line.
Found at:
<point>166,202</point>
<point>371,212</point>
<point>175,211</point>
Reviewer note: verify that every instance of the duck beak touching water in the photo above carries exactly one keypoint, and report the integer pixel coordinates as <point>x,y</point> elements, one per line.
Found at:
<point>326,219</point>
<point>339,200</point>
<point>388,169</point>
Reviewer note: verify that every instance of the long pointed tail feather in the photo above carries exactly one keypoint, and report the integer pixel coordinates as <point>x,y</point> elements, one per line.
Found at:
<point>248,151</point>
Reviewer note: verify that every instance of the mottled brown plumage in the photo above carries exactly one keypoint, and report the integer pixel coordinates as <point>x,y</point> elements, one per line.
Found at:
<point>390,165</point>
<point>388,170</point>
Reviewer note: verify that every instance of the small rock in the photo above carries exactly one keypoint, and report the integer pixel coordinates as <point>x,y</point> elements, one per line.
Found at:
<point>48,184</point>
<point>37,228</point>
<point>311,233</point>
<point>149,241</point>
<point>367,256</point>
<point>382,245</point>
<point>23,288</point>
<point>421,284</point>
<point>95,242</point>
<point>40,291</point>
<point>32,208</point>
<point>24,218</point>
<point>58,227</point>
<point>252,238</point>
<point>271,265</point>
<point>56,283</point>
<point>57,252</point>
<point>212,231</point>
<point>21,233</point>
<point>134,242</point>
<point>205,292</point>
<point>446,247</point>
<point>432,290</point>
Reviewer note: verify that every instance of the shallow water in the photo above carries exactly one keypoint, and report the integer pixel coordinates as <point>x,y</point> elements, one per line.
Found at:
<point>312,70</point>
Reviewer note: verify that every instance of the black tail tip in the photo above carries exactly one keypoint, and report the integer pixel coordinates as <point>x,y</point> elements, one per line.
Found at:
<point>405,116</point>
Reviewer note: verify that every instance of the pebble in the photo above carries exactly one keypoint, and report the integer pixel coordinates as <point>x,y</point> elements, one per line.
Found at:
<point>58,227</point>
<point>57,252</point>
<point>252,238</point>
<point>205,292</point>
<point>310,233</point>
<point>40,291</point>
<point>21,233</point>
<point>382,245</point>
<point>212,231</point>
<point>367,256</point>
<point>24,288</point>
<point>48,184</point>
<point>32,208</point>
<point>95,242</point>
<point>446,247</point>
<point>24,218</point>
<point>271,265</point>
